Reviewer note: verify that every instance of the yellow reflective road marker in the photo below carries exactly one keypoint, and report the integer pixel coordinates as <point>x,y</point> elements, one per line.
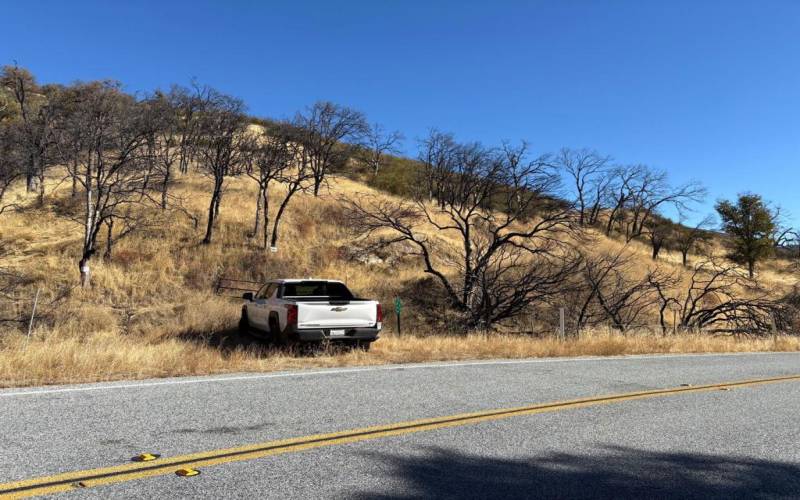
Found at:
<point>187,472</point>
<point>145,457</point>
<point>139,470</point>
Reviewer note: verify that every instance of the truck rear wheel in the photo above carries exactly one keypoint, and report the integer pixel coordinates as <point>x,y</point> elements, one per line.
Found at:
<point>364,345</point>
<point>278,336</point>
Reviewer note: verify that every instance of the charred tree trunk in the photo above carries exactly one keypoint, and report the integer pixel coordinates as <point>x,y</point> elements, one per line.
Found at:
<point>36,179</point>
<point>165,187</point>
<point>662,317</point>
<point>266,216</point>
<point>213,211</point>
<point>259,208</point>
<point>278,216</point>
<point>109,239</point>
<point>216,206</point>
<point>610,224</point>
<point>184,161</point>
<point>656,250</point>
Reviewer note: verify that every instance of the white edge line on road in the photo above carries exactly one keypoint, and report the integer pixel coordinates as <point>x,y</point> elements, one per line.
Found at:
<point>334,371</point>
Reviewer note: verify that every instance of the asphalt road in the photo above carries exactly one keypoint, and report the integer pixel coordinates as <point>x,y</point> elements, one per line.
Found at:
<point>743,442</point>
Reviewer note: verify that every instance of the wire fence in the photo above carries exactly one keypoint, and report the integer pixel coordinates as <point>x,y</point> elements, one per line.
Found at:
<point>234,288</point>
<point>19,311</point>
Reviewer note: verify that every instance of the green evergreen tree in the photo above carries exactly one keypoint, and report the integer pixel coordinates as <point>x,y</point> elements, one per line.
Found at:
<point>750,224</point>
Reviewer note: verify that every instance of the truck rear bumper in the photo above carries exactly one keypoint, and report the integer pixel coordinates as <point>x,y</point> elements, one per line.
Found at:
<point>310,335</point>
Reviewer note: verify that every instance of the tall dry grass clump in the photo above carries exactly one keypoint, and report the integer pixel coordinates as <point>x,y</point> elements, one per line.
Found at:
<point>102,357</point>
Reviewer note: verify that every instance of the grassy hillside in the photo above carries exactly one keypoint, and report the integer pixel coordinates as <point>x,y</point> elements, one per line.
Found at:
<point>152,310</point>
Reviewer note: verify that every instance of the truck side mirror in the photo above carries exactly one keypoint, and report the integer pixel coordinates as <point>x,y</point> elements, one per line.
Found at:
<point>248,296</point>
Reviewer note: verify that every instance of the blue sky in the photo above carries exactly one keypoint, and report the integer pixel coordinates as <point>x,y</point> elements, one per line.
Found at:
<point>708,90</point>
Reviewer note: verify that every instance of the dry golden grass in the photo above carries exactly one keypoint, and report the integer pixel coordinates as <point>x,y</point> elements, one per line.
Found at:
<point>147,306</point>
<point>103,357</point>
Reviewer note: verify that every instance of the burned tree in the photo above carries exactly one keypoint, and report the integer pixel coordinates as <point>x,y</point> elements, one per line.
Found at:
<point>107,133</point>
<point>650,191</point>
<point>722,298</point>
<point>221,146</point>
<point>164,142</point>
<point>68,136</point>
<point>377,144</point>
<point>7,111</point>
<point>513,238</point>
<point>620,193</point>
<point>787,241</point>
<point>187,103</point>
<point>37,118</point>
<point>785,237</point>
<point>327,133</point>
<point>692,238</point>
<point>612,291</point>
<point>590,178</point>
<point>437,155</point>
<point>24,97</point>
<point>638,192</point>
<point>594,271</point>
<point>272,156</point>
<point>12,164</point>
<point>660,232</point>
<point>296,178</point>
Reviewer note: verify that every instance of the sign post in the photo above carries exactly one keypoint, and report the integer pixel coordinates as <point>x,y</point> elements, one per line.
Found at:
<point>398,307</point>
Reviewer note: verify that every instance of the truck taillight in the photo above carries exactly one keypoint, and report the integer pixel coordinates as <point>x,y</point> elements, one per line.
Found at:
<point>379,314</point>
<point>291,314</point>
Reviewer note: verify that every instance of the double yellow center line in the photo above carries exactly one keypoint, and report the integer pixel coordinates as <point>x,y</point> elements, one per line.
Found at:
<point>138,470</point>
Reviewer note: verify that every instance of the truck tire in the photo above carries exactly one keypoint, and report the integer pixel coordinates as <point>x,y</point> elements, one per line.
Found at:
<point>364,345</point>
<point>278,336</point>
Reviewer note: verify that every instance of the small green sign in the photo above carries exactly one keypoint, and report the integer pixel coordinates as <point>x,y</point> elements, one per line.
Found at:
<point>398,306</point>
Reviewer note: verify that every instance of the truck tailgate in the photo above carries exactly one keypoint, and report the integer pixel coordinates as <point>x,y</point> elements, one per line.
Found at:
<point>353,314</point>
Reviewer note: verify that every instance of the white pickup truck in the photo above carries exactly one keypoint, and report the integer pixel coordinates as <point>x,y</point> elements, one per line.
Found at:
<point>310,310</point>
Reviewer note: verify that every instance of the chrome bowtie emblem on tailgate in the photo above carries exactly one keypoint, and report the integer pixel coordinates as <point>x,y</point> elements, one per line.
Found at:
<point>338,309</point>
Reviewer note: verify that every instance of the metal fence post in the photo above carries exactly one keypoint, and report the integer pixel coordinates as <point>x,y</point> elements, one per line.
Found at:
<point>398,309</point>
<point>33,313</point>
<point>561,324</point>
